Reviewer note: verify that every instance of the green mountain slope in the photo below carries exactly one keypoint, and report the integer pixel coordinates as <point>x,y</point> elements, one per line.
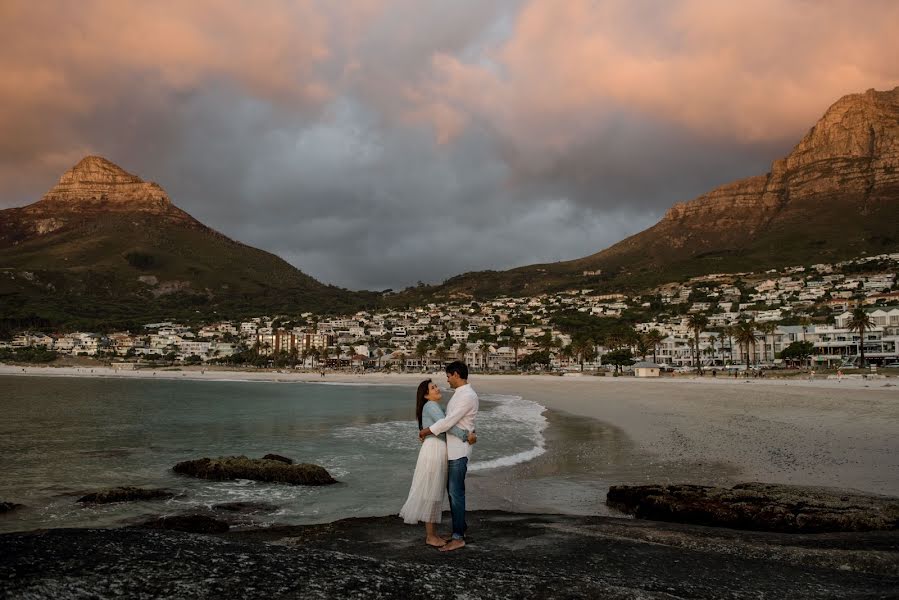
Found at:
<point>104,249</point>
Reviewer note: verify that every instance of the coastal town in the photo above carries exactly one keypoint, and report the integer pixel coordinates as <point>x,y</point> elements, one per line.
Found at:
<point>797,315</point>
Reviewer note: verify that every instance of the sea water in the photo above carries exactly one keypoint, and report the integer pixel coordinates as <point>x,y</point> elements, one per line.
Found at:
<point>63,437</point>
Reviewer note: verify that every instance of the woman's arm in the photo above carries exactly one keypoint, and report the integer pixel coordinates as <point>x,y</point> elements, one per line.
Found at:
<point>435,413</point>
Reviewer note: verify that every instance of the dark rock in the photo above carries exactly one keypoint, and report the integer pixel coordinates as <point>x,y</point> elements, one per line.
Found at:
<point>759,507</point>
<point>245,507</point>
<point>124,494</point>
<point>278,457</point>
<point>6,507</point>
<point>190,523</point>
<point>257,469</point>
<point>509,556</point>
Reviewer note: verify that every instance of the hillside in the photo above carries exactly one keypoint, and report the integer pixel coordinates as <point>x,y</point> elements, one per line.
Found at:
<point>835,196</point>
<point>104,248</point>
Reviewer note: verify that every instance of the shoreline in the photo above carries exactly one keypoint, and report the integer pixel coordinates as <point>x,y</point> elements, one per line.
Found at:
<point>823,432</point>
<point>601,431</point>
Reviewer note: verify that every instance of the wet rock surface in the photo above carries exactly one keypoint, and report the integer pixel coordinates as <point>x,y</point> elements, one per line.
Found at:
<point>124,494</point>
<point>279,458</point>
<point>257,469</point>
<point>192,523</point>
<point>759,507</point>
<point>6,507</point>
<point>245,507</point>
<point>508,556</point>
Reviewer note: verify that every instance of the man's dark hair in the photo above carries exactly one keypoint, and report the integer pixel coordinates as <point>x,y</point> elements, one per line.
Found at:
<point>459,368</point>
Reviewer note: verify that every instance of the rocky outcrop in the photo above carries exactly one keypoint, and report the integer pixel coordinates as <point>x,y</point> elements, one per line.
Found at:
<point>6,507</point>
<point>849,161</point>
<point>193,523</point>
<point>97,181</point>
<point>834,197</point>
<point>278,457</point>
<point>257,469</point>
<point>509,556</point>
<point>124,494</point>
<point>94,186</point>
<point>759,507</point>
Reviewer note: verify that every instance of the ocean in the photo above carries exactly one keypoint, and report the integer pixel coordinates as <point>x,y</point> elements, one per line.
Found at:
<point>63,437</point>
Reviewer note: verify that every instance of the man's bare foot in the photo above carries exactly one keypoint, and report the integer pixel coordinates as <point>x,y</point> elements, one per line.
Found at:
<point>437,542</point>
<point>453,545</point>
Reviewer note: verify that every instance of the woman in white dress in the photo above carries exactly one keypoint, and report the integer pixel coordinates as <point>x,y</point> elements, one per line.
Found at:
<point>425,501</point>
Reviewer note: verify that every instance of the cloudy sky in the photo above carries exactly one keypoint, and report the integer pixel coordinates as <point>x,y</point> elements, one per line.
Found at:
<point>375,143</point>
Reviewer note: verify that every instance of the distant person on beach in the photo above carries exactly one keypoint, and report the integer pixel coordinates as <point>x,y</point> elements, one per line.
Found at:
<point>429,482</point>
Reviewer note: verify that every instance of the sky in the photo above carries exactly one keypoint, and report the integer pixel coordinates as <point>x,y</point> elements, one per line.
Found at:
<point>375,143</point>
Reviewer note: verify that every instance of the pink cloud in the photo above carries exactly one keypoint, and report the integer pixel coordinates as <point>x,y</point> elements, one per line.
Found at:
<point>750,71</point>
<point>62,62</point>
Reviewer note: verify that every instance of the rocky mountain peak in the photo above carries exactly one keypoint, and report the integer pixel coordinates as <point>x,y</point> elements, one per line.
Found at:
<point>96,181</point>
<point>98,170</point>
<point>857,126</point>
<point>852,152</point>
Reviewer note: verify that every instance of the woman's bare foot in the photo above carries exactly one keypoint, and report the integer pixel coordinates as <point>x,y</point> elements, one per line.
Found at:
<point>437,542</point>
<point>453,545</point>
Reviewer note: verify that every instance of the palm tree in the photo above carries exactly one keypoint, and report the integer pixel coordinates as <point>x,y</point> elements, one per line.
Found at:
<point>805,322</point>
<point>745,336</point>
<point>566,352</point>
<point>730,331</point>
<point>577,348</point>
<point>485,351</point>
<point>325,354</point>
<point>643,345</point>
<point>588,354</point>
<point>421,351</point>
<point>712,341</point>
<point>516,344</point>
<point>766,328</point>
<point>697,323</point>
<point>860,322</point>
<point>440,354</point>
<point>402,358</point>
<point>546,341</point>
<point>462,350</point>
<point>654,337</point>
<point>379,354</point>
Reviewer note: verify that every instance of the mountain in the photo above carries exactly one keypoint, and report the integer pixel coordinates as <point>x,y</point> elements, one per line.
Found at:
<point>103,248</point>
<point>835,196</point>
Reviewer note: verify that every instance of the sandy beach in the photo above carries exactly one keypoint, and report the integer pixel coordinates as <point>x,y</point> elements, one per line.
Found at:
<point>822,432</point>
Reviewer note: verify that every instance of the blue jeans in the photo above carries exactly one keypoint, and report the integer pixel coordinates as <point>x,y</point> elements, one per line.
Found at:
<point>455,487</point>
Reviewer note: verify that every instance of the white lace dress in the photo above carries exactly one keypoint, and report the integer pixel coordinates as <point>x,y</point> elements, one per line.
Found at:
<point>425,501</point>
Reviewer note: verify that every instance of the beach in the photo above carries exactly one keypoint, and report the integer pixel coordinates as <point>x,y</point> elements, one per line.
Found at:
<point>539,524</point>
<point>710,430</point>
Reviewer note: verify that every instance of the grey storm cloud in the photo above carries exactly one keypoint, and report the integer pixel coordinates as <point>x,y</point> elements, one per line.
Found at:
<point>375,144</point>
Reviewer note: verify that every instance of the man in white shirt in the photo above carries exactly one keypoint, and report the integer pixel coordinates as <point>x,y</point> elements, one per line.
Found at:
<point>461,410</point>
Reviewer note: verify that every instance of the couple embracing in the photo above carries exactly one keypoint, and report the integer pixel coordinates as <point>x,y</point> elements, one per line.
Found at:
<point>443,458</point>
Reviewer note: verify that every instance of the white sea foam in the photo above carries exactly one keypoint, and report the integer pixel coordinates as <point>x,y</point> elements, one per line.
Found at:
<point>509,417</point>
<point>396,435</point>
<point>519,410</point>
